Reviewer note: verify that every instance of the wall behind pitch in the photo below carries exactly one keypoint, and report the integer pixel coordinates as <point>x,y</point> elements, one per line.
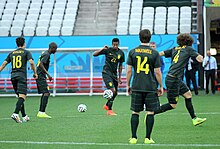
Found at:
<point>78,59</point>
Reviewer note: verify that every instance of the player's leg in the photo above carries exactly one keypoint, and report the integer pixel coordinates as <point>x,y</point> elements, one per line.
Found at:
<point>109,83</point>
<point>43,89</point>
<point>137,105</point>
<point>172,85</point>
<point>186,93</point>
<point>20,88</point>
<point>152,103</point>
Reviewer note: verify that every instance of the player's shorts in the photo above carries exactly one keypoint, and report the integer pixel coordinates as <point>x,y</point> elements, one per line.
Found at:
<point>110,82</point>
<point>175,87</point>
<point>42,85</point>
<point>19,85</point>
<point>138,99</point>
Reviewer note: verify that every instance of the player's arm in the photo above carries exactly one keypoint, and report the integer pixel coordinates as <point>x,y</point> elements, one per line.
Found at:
<point>3,65</point>
<point>162,53</point>
<point>199,58</point>
<point>119,73</point>
<point>33,68</point>
<point>45,71</point>
<point>159,80</point>
<point>128,78</point>
<point>98,52</point>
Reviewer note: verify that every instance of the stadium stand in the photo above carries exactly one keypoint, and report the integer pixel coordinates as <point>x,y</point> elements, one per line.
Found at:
<point>92,17</point>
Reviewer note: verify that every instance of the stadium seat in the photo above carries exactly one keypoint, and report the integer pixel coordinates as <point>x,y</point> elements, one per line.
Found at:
<point>70,16</point>
<point>21,11</point>
<point>185,28</point>
<point>71,11</point>
<point>147,22</point>
<point>172,21</point>
<point>148,10</point>
<point>47,5</point>
<point>32,16</point>
<point>41,31</point>
<point>159,29</point>
<point>35,6</point>
<point>58,11</point>
<point>150,27</point>
<point>24,1</point>
<point>18,23</point>
<point>161,10</point>
<point>4,31</point>
<point>56,23</point>
<point>5,23</point>
<point>61,5</point>
<point>11,6</point>
<point>23,6</point>
<point>46,11</point>
<point>45,17</point>
<point>57,17</point>
<point>68,23</point>
<point>12,1</point>
<point>43,23</point>
<point>16,31</point>
<point>8,17</point>
<point>54,31</point>
<point>122,22</point>
<point>124,10</point>
<point>185,21</point>
<point>135,22</point>
<point>124,5</point>
<point>67,31</point>
<point>172,29</point>
<point>34,11</point>
<point>173,9</point>
<point>134,29</point>
<point>160,16</point>
<point>30,23</point>
<point>9,11</point>
<point>122,30</point>
<point>20,17</point>
<point>136,10</point>
<point>138,4</point>
<point>29,31</point>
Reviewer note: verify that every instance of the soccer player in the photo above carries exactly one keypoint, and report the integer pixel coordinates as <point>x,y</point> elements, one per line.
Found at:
<point>114,58</point>
<point>18,60</point>
<point>42,71</point>
<point>175,86</point>
<point>145,62</point>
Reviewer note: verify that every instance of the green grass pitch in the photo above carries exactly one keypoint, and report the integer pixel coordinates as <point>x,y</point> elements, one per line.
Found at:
<point>94,129</point>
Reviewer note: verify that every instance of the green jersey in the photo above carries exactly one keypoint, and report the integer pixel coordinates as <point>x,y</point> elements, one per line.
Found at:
<point>180,57</point>
<point>18,59</point>
<point>144,59</point>
<point>112,59</point>
<point>45,60</point>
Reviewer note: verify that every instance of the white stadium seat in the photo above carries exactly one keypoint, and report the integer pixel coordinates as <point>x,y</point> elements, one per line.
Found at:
<point>66,31</point>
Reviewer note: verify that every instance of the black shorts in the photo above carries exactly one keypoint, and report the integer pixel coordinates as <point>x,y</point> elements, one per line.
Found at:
<point>175,87</point>
<point>110,82</point>
<point>42,85</point>
<point>19,85</point>
<point>138,99</point>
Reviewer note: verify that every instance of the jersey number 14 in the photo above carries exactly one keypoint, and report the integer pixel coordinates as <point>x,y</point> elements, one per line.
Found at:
<point>142,65</point>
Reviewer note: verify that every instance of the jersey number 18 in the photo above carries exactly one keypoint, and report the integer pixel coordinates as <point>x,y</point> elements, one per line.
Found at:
<point>16,63</point>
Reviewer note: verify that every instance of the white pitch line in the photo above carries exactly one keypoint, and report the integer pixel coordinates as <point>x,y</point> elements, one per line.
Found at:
<point>107,144</point>
<point>84,114</point>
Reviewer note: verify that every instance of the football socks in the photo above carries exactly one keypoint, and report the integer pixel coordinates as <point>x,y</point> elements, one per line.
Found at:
<point>163,108</point>
<point>19,103</point>
<point>134,124</point>
<point>149,125</point>
<point>189,107</point>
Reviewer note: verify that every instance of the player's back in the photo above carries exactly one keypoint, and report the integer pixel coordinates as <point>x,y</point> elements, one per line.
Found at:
<point>180,57</point>
<point>18,59</point>
<point>144,60</point>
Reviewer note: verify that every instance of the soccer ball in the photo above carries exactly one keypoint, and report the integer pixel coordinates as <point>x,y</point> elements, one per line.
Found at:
<point>82,108</point>
<point>108,94</point>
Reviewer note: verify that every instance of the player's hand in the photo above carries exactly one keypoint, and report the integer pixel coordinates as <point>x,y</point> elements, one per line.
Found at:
<point>35,76</point>
<point>50,78</point>
<point>129,90</point>
<point>160,91</point>
<point>105,47</point>
<point>119,81</point>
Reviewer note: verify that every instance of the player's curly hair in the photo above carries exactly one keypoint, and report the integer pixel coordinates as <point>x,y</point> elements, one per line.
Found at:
<point>20,41</point>
<point>145,36</point>
<point>185,40</point>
